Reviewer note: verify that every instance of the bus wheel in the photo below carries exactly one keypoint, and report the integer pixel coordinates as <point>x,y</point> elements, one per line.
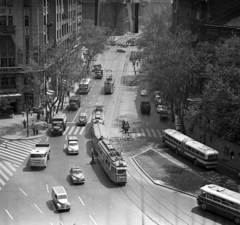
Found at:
<point>176,151</point>
<point>195,162</point>
<point>237,220</point>
<point>203,206</point>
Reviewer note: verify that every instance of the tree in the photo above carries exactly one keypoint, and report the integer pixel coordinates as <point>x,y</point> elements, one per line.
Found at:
<point>62,65</point>
<point>94,39</point>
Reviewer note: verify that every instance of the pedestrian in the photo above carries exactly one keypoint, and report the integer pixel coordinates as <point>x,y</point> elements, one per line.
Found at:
<point>228,149</point>
<point>42,113</point>
<point>225,149</point>
<point>123,124</point>
<point>34,130</point>
<point>232,155</point>
<point>38,116</point>
<point>93,156</point>
<point>24,124</point>
<point>210,138</point>
<point>137,63</point>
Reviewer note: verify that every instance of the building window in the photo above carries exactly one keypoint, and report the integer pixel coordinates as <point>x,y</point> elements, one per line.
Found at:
<point>26,21</point>
<point>12,81</point>
<point>3,2</point>
<point>26,3</point>
<point>44,20</point>
<point>3,21</point>
<point>10,21</point>
<point>4,81</point>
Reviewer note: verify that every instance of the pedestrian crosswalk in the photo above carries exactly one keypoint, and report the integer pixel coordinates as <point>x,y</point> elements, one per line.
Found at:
<point>16,151</point>
<point>145,132</point>
<point>74,130</point>
<point>12,154</point>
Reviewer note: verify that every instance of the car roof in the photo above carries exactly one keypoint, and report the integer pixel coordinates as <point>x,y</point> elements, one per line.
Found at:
<point>76,167</point>
<point>83,114</point>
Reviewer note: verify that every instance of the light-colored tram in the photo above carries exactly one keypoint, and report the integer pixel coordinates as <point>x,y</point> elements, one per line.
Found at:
<point>112,162</point>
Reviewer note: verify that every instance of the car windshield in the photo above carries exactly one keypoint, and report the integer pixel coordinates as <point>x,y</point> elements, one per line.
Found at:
<point>73,143</point>
<point>76,171</point>
<point>62,197</point>
<point>82,117</point>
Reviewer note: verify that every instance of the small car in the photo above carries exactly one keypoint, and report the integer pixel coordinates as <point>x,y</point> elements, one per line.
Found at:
<point>143,92</point>
<point>121,50</point>
<point>77,175</point>
<point>160,108</point>
<point>82,119</point>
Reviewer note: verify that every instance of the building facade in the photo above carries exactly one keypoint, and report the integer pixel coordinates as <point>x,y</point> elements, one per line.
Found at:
<point>26,26</point>
<point>209,20</point>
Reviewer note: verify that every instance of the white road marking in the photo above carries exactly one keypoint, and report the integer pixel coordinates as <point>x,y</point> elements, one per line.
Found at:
<point>64,146</point>
<point>10,166</point>
<point>65,130</point>
<point>148,132</point>
<point>38,208</point>
<point>9,214</point>
<point>66,137</point>
<point>93,95</point>
<point>71,130</point>
<point>6,169</point>
<point>143,134</point>
<point>7,158</point>
<point>93,220</point>
<point>81,200</point>
<point>47,188</point>
<point>47,139</point>
<point>22,191</point>
<point>82,130</point>
<point>154,134</point>
<point>2,182</point>
<point>75,132</point>
<point>146,122</point>
<point>159,133</point>
<point>51,223</point>
<point>98,98</point>
<point>61,222</point>
<point>83,103</point>
<point>76,114</point>
<point>85,110</point>
<point>89,103</point>
<point>4,175</point>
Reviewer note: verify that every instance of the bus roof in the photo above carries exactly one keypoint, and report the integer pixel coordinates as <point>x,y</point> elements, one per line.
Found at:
<point>100,131</point>
<point>222,192</point>
<point>203,148</point>
<point>177,135</point>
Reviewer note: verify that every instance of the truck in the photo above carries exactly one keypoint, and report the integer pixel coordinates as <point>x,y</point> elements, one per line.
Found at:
<point>59,123</point>
<point>40,155</point>
<point>145,107</point>
<point>99,74</point>
<point>74,102</point>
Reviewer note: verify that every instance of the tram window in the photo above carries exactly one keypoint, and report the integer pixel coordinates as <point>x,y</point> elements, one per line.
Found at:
<point>197,153</point>
<point>216,199</point>
<point>209,196</point>
<point>201,154</point>
<point>233,205</point>
<point>224,202</point>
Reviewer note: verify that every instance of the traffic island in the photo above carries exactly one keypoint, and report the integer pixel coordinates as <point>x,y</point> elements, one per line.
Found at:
<point>127,137</point>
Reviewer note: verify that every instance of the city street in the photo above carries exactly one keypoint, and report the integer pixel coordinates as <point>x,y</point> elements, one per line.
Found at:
<point>26,197</point>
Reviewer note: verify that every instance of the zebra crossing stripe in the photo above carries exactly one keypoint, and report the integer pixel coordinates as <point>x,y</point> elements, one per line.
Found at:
<point>4,175</point>
<point>12,150</point>
<point>16,149</point>
<point>65,130</point>
<point>2,182</point>
<point>76,130</point>
<point>82,130</point>
<point>6,169</point>
<point>143,134</point>
<point>154,134</point>
<point>159,133</point>
<point>10,155</point>
<point>148,132</point>
<point>21,146</point>
<point>10,166</point>
<point>11,160</point>
<point>69,133</point>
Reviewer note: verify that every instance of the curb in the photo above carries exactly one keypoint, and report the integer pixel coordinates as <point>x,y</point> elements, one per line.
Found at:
<point>162,185</point>
<point>24,138</point>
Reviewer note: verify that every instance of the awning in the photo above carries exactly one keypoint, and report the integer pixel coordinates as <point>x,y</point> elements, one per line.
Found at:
<point>11,95</point>
<point>50,92</point>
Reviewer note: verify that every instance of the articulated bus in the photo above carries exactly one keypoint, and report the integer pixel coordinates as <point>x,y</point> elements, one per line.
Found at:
<point>84,86</point>
<point>99,132</point>
<point>196,151</point>
<point>112,162</point>
<point>109,83</point>
<point>221,201</point>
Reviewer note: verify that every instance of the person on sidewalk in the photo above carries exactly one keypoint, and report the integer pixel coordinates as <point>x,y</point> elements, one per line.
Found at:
<point>123,124</point>
<point>38,116</point>
<point>232,155</point>
<point>34,130</point>
<point>24,123</point>
<point>228,149</point>
<point>42,113</point>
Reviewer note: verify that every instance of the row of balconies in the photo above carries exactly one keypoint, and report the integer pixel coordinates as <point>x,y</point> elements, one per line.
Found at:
<point>7,30</point>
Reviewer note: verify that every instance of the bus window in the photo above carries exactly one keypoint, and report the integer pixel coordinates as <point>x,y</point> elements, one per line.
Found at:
<point>121,172</point>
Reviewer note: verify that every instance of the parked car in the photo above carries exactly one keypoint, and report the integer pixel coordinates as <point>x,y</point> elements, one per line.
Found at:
<point>121,50</point>
<point>143,92</point>
<point>77,175</point>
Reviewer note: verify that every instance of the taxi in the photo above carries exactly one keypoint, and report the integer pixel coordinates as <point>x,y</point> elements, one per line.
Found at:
<point>73,147</point>
<point>77,175</point>
<point>82,119</point>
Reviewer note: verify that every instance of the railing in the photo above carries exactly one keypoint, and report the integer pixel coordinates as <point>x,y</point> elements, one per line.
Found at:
<point>7,29</point>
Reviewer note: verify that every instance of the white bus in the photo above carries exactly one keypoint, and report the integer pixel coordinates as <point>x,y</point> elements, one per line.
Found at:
<point>186,146</point>
<point>221,201</point>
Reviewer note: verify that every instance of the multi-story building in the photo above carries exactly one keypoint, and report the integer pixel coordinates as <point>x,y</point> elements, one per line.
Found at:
<point>209,20</point>
<point>28,26</point>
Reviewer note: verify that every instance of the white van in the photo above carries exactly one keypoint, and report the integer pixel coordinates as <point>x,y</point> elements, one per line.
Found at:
<point>60,198</point>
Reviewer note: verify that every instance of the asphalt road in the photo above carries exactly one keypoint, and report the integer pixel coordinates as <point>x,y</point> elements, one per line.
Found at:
<point>26,198</point>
